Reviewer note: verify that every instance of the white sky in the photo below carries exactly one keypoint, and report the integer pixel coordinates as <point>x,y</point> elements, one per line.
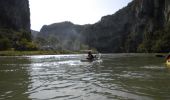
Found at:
<point>45,12</point>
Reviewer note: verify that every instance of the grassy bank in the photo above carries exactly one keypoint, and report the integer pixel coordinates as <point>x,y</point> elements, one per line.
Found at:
<point>22,53</point>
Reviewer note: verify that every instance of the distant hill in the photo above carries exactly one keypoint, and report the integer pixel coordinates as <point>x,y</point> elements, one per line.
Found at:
<point>64,35</point>
<point>34,33</point>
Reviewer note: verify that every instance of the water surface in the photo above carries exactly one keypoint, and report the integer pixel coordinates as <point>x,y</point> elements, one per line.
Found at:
<point>65,77</point>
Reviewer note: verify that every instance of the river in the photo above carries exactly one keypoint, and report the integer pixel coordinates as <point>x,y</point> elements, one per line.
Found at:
<point>65,77</point>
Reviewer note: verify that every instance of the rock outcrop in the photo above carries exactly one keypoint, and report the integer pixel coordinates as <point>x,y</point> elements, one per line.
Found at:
<point>15,14</point>
<point>167,10</point>
<point>14,25</point>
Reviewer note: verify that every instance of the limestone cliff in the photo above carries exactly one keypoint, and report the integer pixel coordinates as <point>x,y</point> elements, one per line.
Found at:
<point>167,10</point>
<point>15,14</point>
<point>131,28</point>
<point>14,24</point>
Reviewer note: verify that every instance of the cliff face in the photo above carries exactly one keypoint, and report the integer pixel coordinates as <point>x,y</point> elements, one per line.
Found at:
<point>15,14</point>
<point>14,24</point>
<point>131,28</point>
<point>149,12</point>
<point>167,10</point>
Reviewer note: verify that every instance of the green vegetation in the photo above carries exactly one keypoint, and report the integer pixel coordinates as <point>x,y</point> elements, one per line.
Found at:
<point>158,41</point>
<point>17,40</point>
<point>15,26</point>
<point>4,43</point>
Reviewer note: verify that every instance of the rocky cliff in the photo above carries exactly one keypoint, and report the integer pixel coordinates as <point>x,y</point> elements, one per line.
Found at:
<point>14,24</point>
<point>131,28</point>
<point>15,14</point>
<point>167,10</point>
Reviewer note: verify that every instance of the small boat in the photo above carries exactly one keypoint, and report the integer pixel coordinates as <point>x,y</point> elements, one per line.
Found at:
<point>89,60</point>
<point>96,58</point>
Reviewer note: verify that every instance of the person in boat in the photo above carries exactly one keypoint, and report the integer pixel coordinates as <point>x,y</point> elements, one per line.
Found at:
<point>90,56</point>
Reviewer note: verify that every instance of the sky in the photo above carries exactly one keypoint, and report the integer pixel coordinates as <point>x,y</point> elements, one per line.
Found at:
<point>45,12</point>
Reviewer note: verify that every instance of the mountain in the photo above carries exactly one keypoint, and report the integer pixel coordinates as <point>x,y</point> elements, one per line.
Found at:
<point>14,24</point>
<point>62,36</point>
<point>34,33</point>
<point>142,26</point>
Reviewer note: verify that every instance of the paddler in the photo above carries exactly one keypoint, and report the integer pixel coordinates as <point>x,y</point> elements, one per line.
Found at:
<point>90,56</point>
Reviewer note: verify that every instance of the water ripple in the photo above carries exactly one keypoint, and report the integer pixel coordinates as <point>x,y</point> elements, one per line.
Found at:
<point>65,77</point>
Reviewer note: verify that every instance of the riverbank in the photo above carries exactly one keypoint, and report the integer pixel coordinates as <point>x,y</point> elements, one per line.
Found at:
<point>22,53</point>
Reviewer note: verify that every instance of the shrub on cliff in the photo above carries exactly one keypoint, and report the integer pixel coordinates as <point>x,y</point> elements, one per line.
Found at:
<point>4,43</point>
<point>18,40</point>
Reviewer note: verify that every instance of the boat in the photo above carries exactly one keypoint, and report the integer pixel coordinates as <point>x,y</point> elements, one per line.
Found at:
<point>89,60</point>
<point>97,58</point>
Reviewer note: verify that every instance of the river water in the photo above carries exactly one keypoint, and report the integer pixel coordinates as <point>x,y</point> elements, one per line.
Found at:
<point>65,77</point>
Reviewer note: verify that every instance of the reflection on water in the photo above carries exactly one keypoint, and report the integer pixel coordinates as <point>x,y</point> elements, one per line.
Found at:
<point>65,77</point>
<point>14,78</point>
